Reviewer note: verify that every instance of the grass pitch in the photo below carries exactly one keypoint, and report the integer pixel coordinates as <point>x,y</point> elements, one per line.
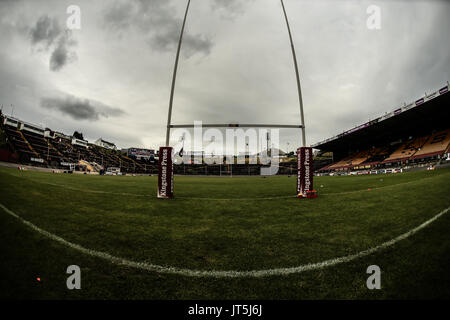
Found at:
<point>239,223</point>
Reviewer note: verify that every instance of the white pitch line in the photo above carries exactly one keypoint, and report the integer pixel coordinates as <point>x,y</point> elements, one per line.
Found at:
<point>222,274</point>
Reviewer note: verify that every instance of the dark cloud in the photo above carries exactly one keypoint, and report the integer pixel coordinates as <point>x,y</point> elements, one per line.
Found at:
<point>45,31</point>
<point>158,22</point>
<point>62,54</point>
<point>80,109</point>
<point>119,15</point>
<point>49,36</point>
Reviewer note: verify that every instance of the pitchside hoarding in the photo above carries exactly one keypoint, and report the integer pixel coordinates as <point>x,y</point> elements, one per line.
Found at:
<point>165,173</point>
<point>304,170</point>
<point>141,153</point>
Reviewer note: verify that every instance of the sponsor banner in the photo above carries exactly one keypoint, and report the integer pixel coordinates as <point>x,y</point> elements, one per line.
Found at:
<point>68,164</point>
<point>365,125</point>
<point>37,160</point>
<point>141,153</point>
<point>443,90</point>
<point>305,170</point>
<point>165,173</point>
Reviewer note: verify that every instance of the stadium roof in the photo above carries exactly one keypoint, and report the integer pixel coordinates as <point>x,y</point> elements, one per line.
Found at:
<point>419,117</point>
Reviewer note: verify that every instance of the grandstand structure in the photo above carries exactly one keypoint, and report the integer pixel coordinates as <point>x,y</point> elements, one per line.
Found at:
<point>416,134</point>
<point>30,144</point>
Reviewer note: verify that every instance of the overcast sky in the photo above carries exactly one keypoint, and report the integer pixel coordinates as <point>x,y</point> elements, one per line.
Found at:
<point>112,77</point>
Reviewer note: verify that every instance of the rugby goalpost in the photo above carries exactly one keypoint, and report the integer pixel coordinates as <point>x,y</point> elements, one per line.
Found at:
<point>304,153</point>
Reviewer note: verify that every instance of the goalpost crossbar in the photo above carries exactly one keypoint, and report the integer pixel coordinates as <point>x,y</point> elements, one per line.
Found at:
<point>238,125</point>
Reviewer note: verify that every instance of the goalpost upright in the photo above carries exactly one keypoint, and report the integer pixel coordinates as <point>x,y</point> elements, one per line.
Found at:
<point>299,88</point>
<point>165,161</point>
<point>304,154</point>
<point>174,76</point>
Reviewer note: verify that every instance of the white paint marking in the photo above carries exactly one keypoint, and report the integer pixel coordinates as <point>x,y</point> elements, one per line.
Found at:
<point>223,274</point>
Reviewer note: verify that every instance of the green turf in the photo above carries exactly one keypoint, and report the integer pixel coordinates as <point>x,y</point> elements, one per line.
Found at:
<point>224,224</point>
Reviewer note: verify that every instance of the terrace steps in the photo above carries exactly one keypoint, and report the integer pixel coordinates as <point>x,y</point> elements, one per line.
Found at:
<point>28,144</point>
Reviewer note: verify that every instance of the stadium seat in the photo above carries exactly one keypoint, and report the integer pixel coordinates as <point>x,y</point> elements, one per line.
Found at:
<point>435,145</point>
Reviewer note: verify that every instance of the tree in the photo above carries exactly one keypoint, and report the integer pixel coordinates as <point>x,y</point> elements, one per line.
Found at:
<point>78,135</point>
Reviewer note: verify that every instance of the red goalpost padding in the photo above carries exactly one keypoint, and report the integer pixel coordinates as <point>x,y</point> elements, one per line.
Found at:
<point>305,172</point>
<point>165,173</point>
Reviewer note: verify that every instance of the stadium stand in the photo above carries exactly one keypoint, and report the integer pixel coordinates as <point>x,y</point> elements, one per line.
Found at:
<point>43,147</point>
<point>417,133</point>
<point>29,144</point>
<point>406,150</point>
<point>414,134</point>
<point>366,157</point>
<point>437,144</point>
<point>18,143</point>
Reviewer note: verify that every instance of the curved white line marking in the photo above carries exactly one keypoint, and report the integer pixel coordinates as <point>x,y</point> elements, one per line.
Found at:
<point>223,274</point>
